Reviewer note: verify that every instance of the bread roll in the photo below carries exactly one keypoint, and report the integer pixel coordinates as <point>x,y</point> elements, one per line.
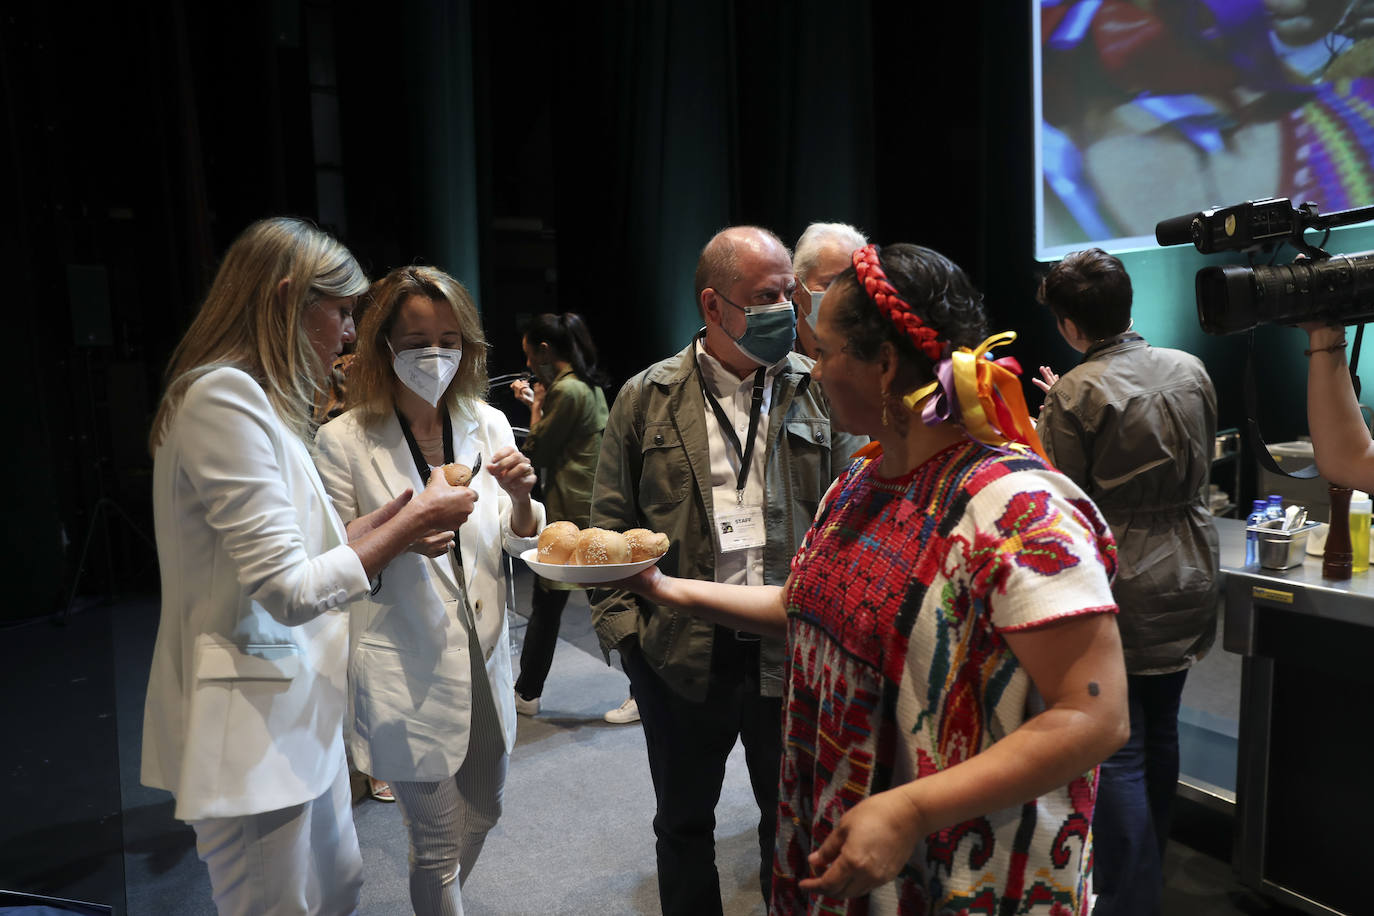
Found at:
<point>556,543</point>
<point>646,544</point>
<point>459,475</point>
<point>599,547</point>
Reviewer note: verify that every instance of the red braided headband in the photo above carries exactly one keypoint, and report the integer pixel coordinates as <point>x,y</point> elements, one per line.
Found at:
<point>890,302</point>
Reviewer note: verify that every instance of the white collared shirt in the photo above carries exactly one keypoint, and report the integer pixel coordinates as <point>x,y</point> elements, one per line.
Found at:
<point>735,396</point>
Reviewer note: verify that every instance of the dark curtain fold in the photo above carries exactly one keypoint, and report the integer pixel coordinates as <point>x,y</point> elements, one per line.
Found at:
<point>678,119</point>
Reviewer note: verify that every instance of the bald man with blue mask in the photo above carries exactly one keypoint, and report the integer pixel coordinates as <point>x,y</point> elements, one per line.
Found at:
<point>726,447</point>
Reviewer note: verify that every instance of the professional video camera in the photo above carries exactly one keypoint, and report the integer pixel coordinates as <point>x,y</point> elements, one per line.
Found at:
<point>1233,298</point>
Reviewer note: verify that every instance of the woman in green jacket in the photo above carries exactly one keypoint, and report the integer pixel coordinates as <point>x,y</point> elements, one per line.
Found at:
<point>567,416</point>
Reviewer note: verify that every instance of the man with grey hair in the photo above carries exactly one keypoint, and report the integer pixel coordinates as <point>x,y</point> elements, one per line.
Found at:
<point>823,251</point>
<point>726,448</point>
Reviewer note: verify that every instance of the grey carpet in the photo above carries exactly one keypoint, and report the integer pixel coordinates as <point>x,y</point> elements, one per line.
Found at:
<point>576,835</point>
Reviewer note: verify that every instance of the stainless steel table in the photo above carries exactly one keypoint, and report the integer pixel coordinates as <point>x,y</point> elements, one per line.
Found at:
<point>1304,802</point>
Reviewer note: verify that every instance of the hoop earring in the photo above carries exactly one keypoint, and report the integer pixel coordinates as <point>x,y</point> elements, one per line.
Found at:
<point>887,396</point>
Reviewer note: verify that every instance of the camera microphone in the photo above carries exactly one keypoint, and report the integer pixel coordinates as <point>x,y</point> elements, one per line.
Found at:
<point>1177,230</point>
<point>1251,224</point>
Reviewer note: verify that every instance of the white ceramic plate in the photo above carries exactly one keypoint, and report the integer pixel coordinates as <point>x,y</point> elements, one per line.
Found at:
<point>584,575</point>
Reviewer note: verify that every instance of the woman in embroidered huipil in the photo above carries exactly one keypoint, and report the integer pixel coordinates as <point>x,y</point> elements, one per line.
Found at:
<point>954,673</point>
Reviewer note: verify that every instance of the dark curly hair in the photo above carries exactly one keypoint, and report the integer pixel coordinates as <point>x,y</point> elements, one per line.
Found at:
<point>938,291</point>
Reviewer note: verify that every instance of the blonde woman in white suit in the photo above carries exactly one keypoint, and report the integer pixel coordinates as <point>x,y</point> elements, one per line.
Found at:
<point>246,697</point>
<point>430,673</point>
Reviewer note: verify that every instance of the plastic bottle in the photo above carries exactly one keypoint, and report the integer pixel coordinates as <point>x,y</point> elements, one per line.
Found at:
<point>1275,507</point>
<point>1251,539</point>
<point>1360,508</point>
<point>1336,559</point>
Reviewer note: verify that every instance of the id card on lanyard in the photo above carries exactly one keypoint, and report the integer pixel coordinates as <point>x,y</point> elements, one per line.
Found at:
<point>738,526</point>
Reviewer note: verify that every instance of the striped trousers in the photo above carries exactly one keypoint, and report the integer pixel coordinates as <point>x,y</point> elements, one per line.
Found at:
<point>448,820</point>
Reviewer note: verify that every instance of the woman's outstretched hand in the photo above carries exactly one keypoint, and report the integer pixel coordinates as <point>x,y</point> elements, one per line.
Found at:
<point>646,582</point>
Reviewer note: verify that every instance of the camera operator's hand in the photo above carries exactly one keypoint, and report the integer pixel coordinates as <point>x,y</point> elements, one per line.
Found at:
<point>1341,443</point>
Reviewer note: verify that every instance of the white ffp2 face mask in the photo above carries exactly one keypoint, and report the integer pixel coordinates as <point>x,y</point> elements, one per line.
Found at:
<point>427,371</point>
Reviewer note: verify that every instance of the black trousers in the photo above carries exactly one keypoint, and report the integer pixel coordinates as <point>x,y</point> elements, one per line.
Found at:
<point>541,639</point>
<point>688,744</point>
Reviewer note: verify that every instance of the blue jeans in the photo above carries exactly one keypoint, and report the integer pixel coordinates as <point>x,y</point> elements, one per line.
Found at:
<point>1135,796</point>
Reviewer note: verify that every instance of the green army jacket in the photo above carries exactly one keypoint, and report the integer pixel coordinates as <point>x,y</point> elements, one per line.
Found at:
<point>564,445</point>
<point>655,472</point>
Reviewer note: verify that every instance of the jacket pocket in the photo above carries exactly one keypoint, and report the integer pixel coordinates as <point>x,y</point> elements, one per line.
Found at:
<point>664,475</point>
<point>809,460</point>
<point>814,431</point>
<point>227,662</point>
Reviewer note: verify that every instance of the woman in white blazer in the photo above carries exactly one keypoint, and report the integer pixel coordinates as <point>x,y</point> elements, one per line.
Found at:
<point>430,673</point>
<point>245,703</point>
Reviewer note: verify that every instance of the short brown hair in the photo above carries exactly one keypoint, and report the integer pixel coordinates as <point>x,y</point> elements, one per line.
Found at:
<point>1092,289</point>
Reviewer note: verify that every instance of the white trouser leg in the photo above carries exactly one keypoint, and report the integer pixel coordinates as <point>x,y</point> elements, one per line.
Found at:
<point>297,861</point>
<point>448,820</point>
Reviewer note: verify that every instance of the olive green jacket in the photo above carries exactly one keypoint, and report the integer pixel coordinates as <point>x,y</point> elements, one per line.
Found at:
<point>655,472</point>
<point>1133,425</point>
<point>564,445</point>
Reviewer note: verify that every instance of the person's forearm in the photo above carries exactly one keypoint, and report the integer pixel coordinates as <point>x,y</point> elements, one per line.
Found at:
<point>522,523</point>
<point>1043,754</point>
<point>1340,440</point>
<point>380,544</point>
<point>752,608</point>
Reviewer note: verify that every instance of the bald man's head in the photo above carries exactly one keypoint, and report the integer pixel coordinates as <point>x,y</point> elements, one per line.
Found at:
<point>719,266</point>
<point>742,267</point>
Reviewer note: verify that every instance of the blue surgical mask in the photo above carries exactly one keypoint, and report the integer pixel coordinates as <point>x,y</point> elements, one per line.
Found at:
<point>768,332</point>
<point>815,315</point>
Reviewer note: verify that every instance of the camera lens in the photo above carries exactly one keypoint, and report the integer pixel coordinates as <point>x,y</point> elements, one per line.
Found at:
<point>1225,299</point>
<point>1231,298</point>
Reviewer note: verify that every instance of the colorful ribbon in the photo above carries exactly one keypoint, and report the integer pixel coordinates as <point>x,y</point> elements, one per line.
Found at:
<point>981,394</point>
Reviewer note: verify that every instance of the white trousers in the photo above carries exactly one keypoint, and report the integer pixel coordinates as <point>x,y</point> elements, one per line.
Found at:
<point>448,820</point>
<point>298,861</point>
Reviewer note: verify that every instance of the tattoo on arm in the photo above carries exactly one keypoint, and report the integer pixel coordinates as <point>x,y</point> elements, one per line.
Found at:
<point>1093,689</point>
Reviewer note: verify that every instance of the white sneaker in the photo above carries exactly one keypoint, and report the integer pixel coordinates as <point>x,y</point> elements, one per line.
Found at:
<point>624,714</point>
<point>526,707</point>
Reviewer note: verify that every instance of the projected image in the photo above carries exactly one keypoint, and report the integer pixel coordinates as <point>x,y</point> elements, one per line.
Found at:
<point>1148,109</point>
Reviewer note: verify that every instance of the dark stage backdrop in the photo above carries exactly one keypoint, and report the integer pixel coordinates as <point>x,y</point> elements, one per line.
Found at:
<point>551,156</point>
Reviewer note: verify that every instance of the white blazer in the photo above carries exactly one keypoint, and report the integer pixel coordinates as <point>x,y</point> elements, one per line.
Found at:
<point>411,666</point>
<point>246,696</point>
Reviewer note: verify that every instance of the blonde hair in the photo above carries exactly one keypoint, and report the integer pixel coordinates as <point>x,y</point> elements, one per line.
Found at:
<point>244,324</point>
<point>371,376</point>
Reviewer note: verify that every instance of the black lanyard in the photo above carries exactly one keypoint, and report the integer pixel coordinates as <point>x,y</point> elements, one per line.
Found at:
<point>421,463</point>
<point>755,411</point>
